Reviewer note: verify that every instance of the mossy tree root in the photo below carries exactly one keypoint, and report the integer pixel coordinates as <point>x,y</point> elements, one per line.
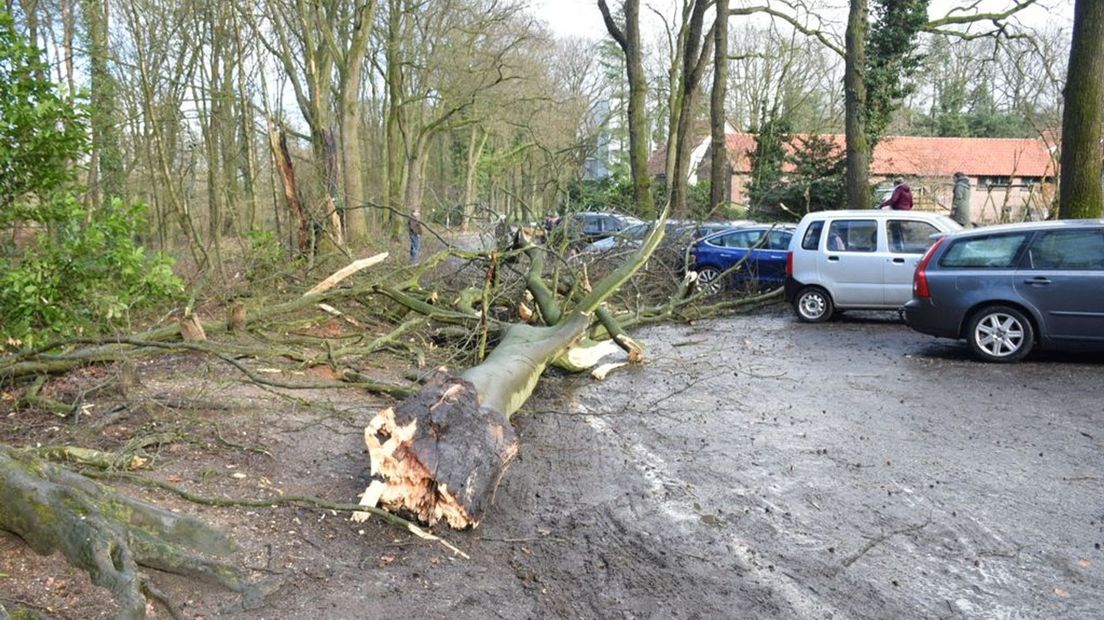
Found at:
<point>106,533</point>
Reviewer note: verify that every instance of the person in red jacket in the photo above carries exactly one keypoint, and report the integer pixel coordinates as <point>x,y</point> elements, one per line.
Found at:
<point>901,199</point>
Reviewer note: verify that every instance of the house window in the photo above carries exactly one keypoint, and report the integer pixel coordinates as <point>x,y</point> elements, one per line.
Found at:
<point>996,181</point>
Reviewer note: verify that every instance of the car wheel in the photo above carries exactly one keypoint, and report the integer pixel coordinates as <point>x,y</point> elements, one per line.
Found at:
<point>709,280</point>
<point>813,305</point>
<point>1000,334</point>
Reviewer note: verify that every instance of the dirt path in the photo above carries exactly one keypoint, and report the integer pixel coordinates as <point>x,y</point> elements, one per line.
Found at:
<point>754,468</point>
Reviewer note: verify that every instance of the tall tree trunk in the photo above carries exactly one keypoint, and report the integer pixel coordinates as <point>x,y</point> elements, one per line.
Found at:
<point>858,143</point>
<point>674,100</point>
<point>30,14</point>
<point>68,28</point>
<point>638,113</point>
<point>629,40</point>
<point>719,177</point>
<point>352,72</point>
<point>396,147</point>
<point>690,76</point>
<point>106,154</point>
<point>245,135</point>
<point>1080,191</point>
<point>332,214</point>
<point>475,152</point>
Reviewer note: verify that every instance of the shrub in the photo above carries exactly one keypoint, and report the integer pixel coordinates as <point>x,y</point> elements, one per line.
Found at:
<point>83,272</point>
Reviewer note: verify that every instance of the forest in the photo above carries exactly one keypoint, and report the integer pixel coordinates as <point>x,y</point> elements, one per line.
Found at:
<point>188,185</point>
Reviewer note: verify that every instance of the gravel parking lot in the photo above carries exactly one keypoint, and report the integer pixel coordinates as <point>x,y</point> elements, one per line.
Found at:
<point>759,467</point>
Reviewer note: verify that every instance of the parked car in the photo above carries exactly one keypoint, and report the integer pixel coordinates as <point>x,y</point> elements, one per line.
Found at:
<point>857,260</point>
<point>758,253</point>
<point>593,225</point>
<point>678,235</point>
<point>1006,289</point>
<point>628,237</point>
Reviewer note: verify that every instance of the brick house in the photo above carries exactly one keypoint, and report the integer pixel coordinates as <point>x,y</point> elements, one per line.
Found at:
<point>1011,178</point>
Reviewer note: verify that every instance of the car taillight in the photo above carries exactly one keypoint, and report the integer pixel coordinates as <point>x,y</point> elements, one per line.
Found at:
<point>789,264</point>
<point>920,278</point>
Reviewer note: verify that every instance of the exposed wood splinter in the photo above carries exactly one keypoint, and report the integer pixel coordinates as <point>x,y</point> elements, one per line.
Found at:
<point>438,455</point>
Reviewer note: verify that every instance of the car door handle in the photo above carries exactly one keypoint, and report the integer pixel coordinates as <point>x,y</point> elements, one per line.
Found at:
<point>1039,280</point>
<point>899,261</point>
<point>833,258</point>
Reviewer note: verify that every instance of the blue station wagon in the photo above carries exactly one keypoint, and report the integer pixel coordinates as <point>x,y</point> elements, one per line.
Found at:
<point>1006,289</point>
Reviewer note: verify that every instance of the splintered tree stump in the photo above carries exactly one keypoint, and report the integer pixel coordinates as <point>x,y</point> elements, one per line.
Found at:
<point>191,330</point>
<point>439,454</point>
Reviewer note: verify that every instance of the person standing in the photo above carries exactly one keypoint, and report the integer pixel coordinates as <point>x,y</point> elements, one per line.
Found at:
<point>901,199</point>
<point>414,227</point>
<point>960,200</point>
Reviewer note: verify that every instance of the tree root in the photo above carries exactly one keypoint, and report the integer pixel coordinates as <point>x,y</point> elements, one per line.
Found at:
<point>108,534</point>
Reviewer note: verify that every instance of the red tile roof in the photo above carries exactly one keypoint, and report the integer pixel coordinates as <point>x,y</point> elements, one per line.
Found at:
<point>923,156</point>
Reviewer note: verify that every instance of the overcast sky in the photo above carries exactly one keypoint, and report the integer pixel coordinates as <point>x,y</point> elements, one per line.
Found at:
<point>581,18</point>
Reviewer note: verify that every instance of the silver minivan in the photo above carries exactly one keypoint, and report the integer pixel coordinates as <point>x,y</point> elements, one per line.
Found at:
<point>857,260</point>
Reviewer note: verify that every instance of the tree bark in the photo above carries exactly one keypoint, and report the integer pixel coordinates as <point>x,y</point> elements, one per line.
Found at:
<point>693,65</point>
<point>107,159</point>
<point>351,70</point>
<point>629,40</point>
<point>719,177</point>
<point>858,143</point>
<point>1080,194</point>
<point>105,533</point>
<point>475,152</point>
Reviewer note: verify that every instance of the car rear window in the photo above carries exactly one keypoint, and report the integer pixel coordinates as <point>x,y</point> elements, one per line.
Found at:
<point>1067,250</point>
<point>989,252</point>
<point>811,240</point>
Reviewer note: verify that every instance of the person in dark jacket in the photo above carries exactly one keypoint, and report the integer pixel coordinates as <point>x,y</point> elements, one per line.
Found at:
<point>960,202</point>
<point>901,199</point>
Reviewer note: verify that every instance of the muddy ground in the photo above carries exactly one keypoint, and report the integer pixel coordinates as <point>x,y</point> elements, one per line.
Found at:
<point>754,468</point>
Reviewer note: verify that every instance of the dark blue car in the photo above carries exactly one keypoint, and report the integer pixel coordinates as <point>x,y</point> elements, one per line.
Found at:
<point>755,254</point>
<point>1007,289</point>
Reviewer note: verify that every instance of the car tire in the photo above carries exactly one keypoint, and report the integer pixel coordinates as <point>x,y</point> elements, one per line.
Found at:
<point>1000,334</point>
<point>813,305</point>
<point>709,280</point>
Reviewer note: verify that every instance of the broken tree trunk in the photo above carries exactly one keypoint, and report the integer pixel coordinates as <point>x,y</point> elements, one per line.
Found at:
<point>440,453</point>
<point>107,534</point>
<point>281,156</point>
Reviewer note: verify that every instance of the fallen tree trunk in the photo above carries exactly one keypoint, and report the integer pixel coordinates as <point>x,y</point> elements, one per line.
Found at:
<point>440,453</point>
<point>105,533</point>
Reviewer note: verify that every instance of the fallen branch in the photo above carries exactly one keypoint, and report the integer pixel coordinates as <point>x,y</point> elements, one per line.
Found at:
<point>346,271</point>
<point>302,501</point>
